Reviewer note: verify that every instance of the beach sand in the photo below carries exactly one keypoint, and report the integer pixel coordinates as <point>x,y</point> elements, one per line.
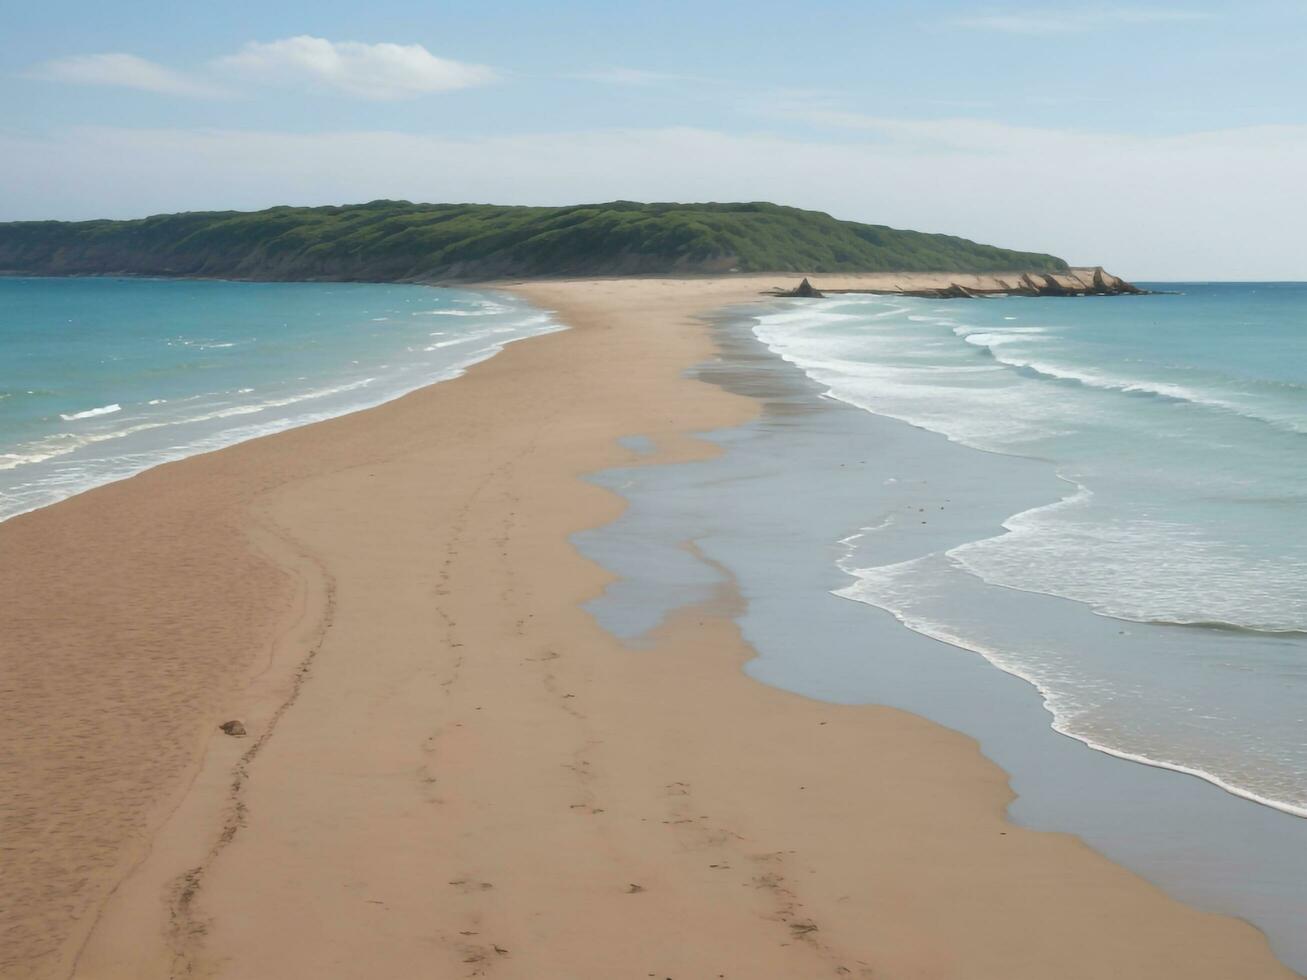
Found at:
<point>450,770</point>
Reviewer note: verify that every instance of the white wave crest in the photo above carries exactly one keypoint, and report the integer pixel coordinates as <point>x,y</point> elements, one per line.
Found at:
<point>877,587</point>
<point>91,413</point>
<point>1161,389</point>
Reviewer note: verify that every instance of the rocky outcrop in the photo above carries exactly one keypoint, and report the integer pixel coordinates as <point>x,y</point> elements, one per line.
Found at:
<point>1109,284</point>
<point>805,290</point>
<point>955,291</point>
<point>1074,282</point>
<point>1093,281</point>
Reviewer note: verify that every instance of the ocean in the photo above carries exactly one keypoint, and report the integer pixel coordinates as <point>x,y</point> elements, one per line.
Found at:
<point>1103,497</point>
<point>101,378</point>
<point>1178,424</point>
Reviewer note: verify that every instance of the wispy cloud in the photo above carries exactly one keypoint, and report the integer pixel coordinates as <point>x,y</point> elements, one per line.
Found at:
<point>364,71</point>
<point>367,71</point>
<point>124,71</point>
<point>1071,20</point>
<point>962,135</point>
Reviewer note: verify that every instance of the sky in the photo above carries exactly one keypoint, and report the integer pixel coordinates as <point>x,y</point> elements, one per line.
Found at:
<point>1165,141</point>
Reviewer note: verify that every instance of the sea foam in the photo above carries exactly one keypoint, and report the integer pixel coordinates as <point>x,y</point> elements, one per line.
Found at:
<point>91,413</point>
<point>1180,445</point>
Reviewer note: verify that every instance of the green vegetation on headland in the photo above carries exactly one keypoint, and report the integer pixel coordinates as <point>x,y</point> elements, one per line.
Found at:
<point>389,241</point>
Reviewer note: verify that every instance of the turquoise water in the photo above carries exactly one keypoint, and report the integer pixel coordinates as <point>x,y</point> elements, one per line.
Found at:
<point>101,378</point>
<point>785,509</point>
<point>1178,424</point>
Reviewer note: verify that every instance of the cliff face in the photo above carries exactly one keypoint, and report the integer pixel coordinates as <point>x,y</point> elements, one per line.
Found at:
<point>1094,281</point>
<point>388,241</point>
<point>1091,281</point>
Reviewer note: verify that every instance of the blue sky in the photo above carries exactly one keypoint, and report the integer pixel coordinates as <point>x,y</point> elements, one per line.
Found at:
<point>1164,140</point>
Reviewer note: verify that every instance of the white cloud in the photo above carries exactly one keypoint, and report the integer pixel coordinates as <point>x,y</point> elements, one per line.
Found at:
<point>1071,20</point>
<point>368,71</point>
<point>123,71</point>
<point>1219,205</point>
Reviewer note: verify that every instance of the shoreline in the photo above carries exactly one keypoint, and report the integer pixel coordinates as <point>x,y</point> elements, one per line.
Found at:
<point>169,429</point>
<point>420,560</point>
<point>1046,697</point>
<point>1019,524</point>
<point>1199,842</point>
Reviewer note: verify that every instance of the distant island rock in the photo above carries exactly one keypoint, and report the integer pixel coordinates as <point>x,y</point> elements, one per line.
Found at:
<point>398,241</point>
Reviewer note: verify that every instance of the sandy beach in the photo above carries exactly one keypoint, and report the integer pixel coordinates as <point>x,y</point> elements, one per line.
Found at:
<point>450,769</point>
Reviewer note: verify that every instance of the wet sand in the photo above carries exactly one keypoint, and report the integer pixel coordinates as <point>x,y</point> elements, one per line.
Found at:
<point>451,768</point>
<point>802,480</point>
